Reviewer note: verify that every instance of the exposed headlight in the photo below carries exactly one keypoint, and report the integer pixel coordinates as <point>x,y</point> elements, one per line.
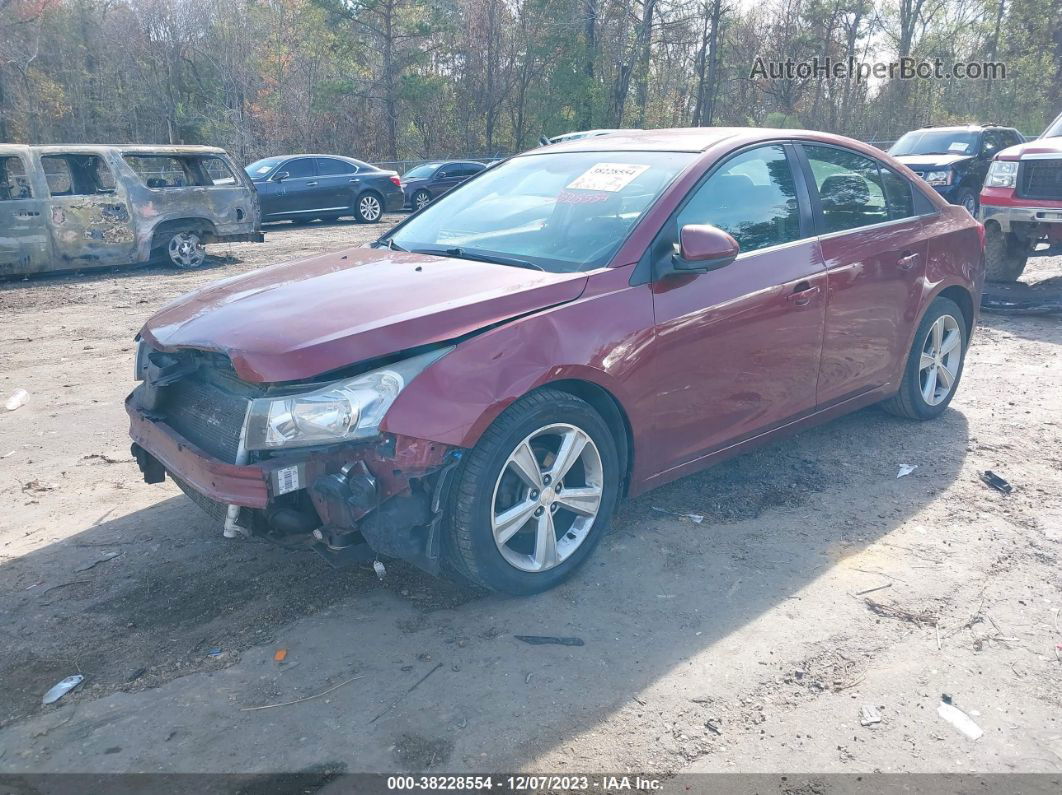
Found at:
<point>342,410</point>
<point>141,361</point>
<point>938,177</point>
<point>1002,174</point>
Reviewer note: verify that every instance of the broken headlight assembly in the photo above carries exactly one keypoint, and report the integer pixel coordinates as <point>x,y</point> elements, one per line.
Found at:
<point>942,177</point>
<point>1002,174</point>
<point>341,411</point>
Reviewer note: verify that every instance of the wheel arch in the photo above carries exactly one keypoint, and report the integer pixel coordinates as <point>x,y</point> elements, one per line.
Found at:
<point>612,412</point>
<point>188,222</point>
<point>963,298</point>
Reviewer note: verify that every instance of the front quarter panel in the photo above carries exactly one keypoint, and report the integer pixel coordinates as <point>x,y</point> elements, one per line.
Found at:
<point>601,338</point>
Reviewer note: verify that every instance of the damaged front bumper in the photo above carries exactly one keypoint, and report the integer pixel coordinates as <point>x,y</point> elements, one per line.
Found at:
<point>349,502</point>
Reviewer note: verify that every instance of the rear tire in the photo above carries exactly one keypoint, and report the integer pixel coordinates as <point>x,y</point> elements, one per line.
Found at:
<point>499,523</point>
<point>1005,255</point>
<point>935,360</point>
<point>368,208</point>
<point>179,246</point>
<point>421,199</point>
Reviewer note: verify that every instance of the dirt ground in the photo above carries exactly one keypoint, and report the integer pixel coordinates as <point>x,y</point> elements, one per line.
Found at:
<point>817,583</point>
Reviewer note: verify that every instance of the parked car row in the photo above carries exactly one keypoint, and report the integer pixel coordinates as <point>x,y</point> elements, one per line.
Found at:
<point>475,391</point>
<point>1013,186</point>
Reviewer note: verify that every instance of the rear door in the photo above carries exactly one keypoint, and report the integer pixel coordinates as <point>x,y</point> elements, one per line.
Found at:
<point>25,245</point>
<point>449,177</point>
<point>737,349</point>
<point>89,215</point>
<point>337,179</point>
<point>874,246</point>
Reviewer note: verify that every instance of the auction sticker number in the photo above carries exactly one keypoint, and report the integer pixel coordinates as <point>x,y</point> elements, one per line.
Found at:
<point>609,177</point>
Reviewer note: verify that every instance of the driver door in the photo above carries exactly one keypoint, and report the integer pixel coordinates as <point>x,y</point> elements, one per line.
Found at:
<point>738,348</point>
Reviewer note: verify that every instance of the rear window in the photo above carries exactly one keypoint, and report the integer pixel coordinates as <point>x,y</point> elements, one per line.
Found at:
<point>163,172</point>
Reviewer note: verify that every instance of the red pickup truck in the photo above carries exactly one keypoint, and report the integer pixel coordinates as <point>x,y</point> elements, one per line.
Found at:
<point>1021,203</point>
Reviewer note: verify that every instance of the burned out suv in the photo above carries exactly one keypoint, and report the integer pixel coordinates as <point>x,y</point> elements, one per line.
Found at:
<point>75,207</point>
<point>1021,203</point>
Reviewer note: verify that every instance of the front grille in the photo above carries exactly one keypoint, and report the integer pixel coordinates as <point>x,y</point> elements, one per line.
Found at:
<point>1040,179</point>
<point>206,414</point>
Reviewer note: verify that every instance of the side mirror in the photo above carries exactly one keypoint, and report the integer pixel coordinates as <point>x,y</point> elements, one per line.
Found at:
<point>703,247</point>
<point>543,140</point>
<point>281,176</point>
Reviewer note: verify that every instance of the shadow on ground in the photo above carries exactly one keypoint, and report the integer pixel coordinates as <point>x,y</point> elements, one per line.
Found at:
<point>136,601</point>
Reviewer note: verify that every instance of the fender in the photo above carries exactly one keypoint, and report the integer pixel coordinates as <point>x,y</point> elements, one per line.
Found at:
<point>458,397</point>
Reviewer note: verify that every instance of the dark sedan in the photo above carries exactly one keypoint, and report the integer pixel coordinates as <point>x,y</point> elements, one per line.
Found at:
<point>424,183</point>
<point>304,188</point>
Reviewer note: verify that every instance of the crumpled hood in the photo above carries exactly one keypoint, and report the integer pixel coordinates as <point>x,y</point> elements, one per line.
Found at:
<point>922,162</point>
<point>300,319</point>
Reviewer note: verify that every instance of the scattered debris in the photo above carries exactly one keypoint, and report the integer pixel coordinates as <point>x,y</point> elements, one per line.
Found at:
<point>61,688</point>
<point>280,655</point>
<point>37,485</point>
<point>696,518</point>
<point>5,455</point>
<point>877,588</point>
<point>958,719</point>
<point>710,726</point>
<point>869,715</point>
<point>214,651</point>
<point>104,559</point>
<point>905,470</point>
<point>378,567</point>
<point>106,459</point>
<point>893,611</point>
<point>990,478</point>
<point>63,585</point>
<point>18,399</point>
<point>550,640</point>
<point>300,700</point>
<point>413,687</point>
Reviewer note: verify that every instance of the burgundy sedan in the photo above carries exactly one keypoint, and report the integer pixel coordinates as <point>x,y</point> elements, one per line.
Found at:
<point>586,321</point>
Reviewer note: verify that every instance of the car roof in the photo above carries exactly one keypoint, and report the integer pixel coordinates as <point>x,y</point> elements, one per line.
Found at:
<point>963,128</point>
<point>687,139</point>
<point>132,149</point>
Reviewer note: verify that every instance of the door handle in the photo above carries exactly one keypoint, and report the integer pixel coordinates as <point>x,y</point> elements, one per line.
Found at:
<point>908,260</point>
<point>354,180</point>
<point>802,294</point>
<point>311,184</point>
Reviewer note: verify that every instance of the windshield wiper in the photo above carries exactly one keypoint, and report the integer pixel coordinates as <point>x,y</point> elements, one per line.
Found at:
<point>387,243</point>
<point>496,259</point>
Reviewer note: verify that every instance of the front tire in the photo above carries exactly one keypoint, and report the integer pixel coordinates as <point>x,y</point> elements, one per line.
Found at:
<point>968,199</point>
<point>1005,255</point>
<point>534,496</point>
<point>934,364</point>
<point>368,208</point>
<point>421,199</point>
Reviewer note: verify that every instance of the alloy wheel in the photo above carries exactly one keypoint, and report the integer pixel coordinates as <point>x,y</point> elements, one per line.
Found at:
<point>421,200</point>
<point>369,207</point>
<point>186,250</point>
<point>547,497</point>
<point>938,366</point>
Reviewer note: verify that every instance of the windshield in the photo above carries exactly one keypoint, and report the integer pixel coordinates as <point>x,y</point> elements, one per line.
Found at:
<point>936,142</point>
<point>560,212</point>
<point>1054,129</point>
<point>421,172</point>
<point>259,168</point>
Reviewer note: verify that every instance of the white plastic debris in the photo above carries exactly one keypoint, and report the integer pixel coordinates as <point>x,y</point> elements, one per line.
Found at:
<point>378,567</point>
<point>905,470</point>
<point>18,399</point>
<point>696,518</point>
<point>960,720</point>
<point>869,715</point>
<point>60,689</point>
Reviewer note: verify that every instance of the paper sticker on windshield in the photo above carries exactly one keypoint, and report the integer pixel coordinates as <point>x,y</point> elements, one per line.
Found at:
<point>958,146</point>
<point>609,177</point>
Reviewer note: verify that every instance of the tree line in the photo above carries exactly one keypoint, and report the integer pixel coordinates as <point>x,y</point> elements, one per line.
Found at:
<point>406,79</point>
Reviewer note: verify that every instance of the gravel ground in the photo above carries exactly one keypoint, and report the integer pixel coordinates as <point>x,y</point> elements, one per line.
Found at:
<point>816,584</point>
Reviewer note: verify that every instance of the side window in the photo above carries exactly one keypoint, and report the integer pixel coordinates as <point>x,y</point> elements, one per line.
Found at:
<point>158,171</point>
<point>77,175</point>
<point>218,171</point>
<point>327,166</point>
<point>752,196</point>
<point>849,187</point>
<point>898,196</point>
<point>14,183</point>
<point>57,173</point>
<point>302,167</point>
<point>993,142</point>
